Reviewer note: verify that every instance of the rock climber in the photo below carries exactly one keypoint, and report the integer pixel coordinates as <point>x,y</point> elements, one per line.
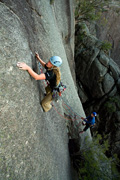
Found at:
<point>89,121</point>
<point>52,75</point>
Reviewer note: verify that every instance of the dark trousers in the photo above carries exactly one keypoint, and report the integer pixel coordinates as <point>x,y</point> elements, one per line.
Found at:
<point>86,127</point>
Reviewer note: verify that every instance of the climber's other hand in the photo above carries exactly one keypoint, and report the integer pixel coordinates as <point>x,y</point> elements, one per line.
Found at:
<point>22,65</point>
<point>36,55</point>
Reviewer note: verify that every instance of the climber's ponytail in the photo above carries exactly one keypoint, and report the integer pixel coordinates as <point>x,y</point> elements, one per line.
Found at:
<point>56,70</point>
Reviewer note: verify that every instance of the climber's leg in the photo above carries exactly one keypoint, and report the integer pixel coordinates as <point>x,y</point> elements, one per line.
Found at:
<point>48,90</point>
<point>46,102</point>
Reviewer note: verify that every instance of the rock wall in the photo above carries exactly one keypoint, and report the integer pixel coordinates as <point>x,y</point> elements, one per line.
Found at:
<point>98,79</point>
<point>34,144</point>
<point>107,29</point>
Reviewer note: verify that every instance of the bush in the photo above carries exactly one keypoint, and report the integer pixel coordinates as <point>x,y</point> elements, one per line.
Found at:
<point>89,10</point>
<point>51,2</point>
<point>111,103</point>
<point>106,46</point>
<point>93,164</point>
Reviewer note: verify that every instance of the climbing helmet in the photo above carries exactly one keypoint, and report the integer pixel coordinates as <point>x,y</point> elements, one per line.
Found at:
<point>56,60</point>
<point>94,113</point>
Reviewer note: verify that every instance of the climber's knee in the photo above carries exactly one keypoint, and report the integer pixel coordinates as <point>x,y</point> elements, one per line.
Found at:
<point>46,106</point>
<point>46,102</point>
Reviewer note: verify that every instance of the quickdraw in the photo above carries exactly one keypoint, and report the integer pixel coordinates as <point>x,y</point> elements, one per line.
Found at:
<point>57,91</point>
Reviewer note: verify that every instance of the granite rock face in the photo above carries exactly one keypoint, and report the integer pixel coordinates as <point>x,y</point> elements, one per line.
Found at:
<point>108,29</point>
<point>34,144</point>
<point>98,78</point>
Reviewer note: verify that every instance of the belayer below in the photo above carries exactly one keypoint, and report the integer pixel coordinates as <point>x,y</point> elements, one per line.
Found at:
<point>89,121</point>
<point>52,75</point>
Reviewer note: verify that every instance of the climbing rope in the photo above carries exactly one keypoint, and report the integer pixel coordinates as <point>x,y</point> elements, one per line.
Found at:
<point>69,107</point>
<point>71,113</point>
<point>61,114</point>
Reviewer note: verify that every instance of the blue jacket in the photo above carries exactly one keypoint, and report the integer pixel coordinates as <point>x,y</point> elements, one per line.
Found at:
<point>90,120</point>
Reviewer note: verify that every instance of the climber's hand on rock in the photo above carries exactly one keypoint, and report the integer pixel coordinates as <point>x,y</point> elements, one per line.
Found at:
<point>82,118</point>
<point>36,55</point>
<point>22,65</point>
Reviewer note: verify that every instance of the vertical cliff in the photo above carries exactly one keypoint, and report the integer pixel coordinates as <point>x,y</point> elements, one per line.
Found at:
<point>34,144</point>
<point>108,29</point>
<point>98,79</point>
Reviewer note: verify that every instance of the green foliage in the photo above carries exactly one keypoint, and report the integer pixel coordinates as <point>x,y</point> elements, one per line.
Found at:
<point>106,46</point>
<point>81,37</point>
<point>51,2</point>
<point>93,164</point>
<point>89,10</point>
<point>111,104</point>
<point>110,107</point>
<point>117,11</point>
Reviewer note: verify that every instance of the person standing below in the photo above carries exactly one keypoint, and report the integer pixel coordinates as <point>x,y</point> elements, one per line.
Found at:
<point>90,121</point>
<point>52,75</point>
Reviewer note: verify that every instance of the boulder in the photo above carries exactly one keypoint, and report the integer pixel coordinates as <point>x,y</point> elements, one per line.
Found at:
<point>114,69</point>
<point>108,83</point>
<point>104,59</point>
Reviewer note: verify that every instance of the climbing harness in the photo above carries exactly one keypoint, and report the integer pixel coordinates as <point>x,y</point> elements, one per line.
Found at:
<point>57,91</point>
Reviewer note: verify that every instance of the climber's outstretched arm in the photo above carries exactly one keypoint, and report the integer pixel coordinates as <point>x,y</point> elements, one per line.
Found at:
<point>84,119</point>
<point>39,59</point>
<point>36,76</point>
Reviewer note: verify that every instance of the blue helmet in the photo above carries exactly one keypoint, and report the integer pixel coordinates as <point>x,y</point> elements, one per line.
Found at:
<point>56,60</point>
<point>94,113</point>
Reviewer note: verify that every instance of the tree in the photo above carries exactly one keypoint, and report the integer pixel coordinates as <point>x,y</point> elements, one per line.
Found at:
<point>90,10</point>
<point>92,163</point>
